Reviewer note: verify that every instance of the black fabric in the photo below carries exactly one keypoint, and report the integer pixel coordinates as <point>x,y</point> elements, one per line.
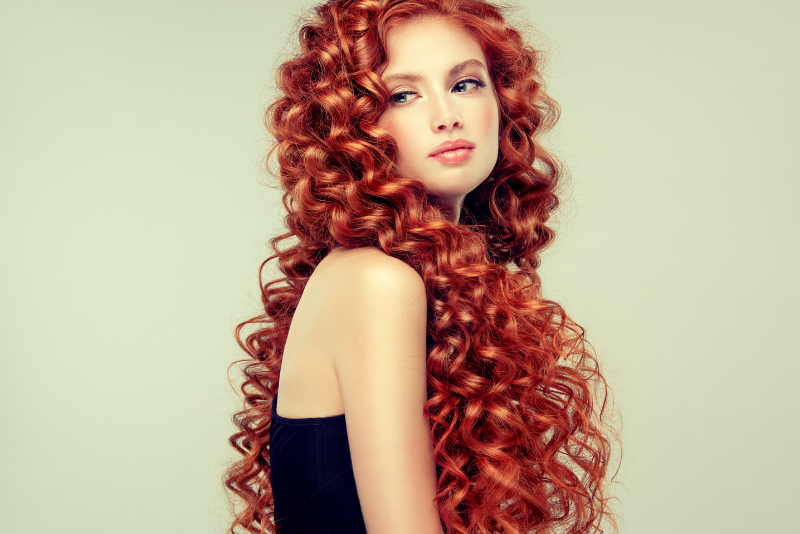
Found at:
<point>312,476</point>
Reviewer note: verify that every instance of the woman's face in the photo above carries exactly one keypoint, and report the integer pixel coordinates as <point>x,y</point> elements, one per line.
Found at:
<point>440,92</point>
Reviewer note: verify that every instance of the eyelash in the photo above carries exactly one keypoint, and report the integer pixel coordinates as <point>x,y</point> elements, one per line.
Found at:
<point>467,80</point>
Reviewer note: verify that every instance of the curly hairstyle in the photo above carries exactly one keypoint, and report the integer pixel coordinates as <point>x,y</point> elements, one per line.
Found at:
<point>515,395</point>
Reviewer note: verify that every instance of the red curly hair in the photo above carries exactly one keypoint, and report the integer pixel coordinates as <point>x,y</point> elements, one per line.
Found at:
<point>515,395</point>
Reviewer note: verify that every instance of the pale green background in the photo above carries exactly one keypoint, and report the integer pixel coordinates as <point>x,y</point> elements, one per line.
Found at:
<point>133,224</point>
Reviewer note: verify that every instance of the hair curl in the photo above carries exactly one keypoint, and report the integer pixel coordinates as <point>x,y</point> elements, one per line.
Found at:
<point>516,397</point>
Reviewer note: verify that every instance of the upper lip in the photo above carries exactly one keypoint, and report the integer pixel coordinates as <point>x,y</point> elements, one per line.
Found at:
<point>452,145</point>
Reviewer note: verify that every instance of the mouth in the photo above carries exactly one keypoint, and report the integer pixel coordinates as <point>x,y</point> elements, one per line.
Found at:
<point>456,155</point>
<point>450,145</point>
<point>452,151</point>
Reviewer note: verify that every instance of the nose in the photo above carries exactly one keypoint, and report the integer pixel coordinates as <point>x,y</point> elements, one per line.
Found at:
<point>445,116</point>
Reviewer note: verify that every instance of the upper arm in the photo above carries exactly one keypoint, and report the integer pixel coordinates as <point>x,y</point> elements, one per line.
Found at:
<point>380,363</point>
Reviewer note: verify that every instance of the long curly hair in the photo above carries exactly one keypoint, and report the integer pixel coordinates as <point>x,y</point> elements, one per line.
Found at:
<point>515,395</point>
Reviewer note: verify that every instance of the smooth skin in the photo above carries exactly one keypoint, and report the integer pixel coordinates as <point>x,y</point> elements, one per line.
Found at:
<point>357,343</point>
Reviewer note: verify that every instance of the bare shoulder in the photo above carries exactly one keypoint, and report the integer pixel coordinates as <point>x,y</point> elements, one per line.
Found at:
<point>378,322</point>
<point>369,266</point>
<point>355,303</point>
<point>366,280</point>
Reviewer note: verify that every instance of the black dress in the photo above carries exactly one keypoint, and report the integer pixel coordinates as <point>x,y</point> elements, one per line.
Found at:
<point>312,476</point>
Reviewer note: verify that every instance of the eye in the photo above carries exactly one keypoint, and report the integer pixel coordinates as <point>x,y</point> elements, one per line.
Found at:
<point>397,98</point>
<point>463,83</point>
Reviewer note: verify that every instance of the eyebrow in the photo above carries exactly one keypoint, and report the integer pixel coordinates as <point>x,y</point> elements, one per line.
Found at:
<point>455,70</point>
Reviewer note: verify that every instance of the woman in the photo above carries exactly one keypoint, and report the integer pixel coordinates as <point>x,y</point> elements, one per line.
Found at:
<point>425,384</point>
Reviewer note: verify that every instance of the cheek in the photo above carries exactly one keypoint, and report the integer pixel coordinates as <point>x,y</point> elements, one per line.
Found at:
<point>407,141</point>
<point>488,119</point>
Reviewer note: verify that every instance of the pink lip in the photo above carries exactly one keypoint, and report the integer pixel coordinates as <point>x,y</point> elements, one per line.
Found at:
<point>452,145</point>
<point>453,156</point>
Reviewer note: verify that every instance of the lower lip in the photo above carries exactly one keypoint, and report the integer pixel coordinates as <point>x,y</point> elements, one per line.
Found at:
<point>453,156</point>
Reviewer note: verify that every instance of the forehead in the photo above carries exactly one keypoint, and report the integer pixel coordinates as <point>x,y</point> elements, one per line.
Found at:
<point>428,45</point>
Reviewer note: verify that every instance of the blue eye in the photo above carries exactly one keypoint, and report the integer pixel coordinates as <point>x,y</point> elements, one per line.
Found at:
<point>401,93</point>
<point>470,80</point>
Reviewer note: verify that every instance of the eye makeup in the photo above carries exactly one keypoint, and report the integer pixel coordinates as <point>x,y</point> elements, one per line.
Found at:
<point>479,84</point>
